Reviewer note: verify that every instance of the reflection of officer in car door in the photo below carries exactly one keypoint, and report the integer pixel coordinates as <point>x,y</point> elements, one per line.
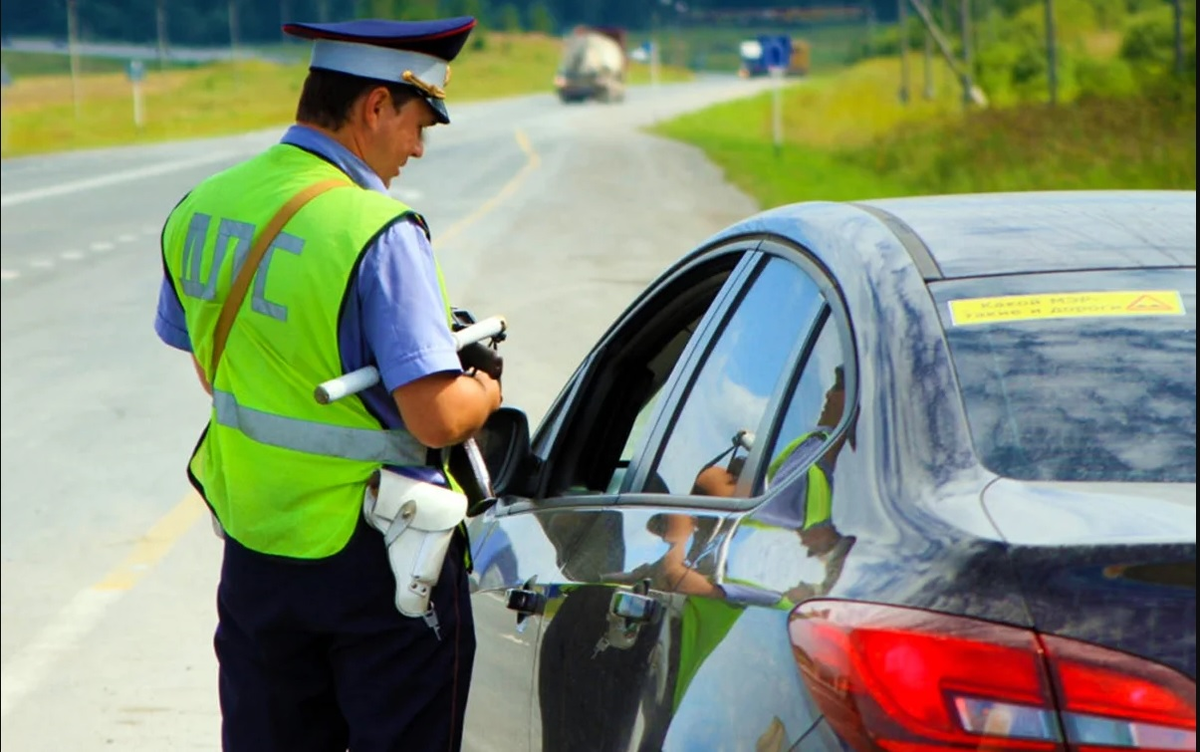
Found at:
<point>588,695</point>
<point>807,506</point>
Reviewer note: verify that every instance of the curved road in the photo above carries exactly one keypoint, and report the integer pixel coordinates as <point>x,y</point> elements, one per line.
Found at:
<point>554,216</point>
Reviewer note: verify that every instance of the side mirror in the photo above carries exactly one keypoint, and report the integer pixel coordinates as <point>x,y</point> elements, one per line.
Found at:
<point>504,442</point>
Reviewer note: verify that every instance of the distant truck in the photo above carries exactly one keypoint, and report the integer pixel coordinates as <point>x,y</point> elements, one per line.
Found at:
<point>757,55</point>
<point>594,65</point>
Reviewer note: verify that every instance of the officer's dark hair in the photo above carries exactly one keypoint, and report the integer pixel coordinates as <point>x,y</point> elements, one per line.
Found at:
<point>327,96</point>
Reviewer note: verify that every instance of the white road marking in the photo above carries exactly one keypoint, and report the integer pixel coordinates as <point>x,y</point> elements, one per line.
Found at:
<point>407,194</point>
<point>41,264</point>
<point>102,246</point>
<point>7,274</point>
<point>127,238</point>
<point>125,176</point>
<point>26,670</point>
<point>71,255</point>
<point>148,230</point>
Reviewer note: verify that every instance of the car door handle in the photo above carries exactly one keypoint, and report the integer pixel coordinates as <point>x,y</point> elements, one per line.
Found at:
<point>635,607</point>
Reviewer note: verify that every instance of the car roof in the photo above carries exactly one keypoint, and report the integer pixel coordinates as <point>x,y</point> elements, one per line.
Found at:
<point>1021,233</point>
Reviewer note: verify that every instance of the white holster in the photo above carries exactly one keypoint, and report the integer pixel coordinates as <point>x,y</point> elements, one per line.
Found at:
<point>417,520</point>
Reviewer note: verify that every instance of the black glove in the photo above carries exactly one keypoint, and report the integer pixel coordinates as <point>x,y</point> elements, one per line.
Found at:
<point>481,357</point>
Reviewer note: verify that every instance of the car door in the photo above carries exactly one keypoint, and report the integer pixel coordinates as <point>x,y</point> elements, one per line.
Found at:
<point>525,545</point>
<point>621,636</point>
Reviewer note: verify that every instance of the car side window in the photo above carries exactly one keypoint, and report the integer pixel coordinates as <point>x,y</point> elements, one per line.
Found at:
<point>714,429</point>
<point>813,410</point>
<point>615,406</point>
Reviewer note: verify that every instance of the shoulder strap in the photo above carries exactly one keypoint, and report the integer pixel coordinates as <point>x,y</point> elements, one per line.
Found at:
<point>237,293</point>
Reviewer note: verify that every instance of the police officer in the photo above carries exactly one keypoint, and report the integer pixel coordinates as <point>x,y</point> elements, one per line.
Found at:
<point>327,273</point>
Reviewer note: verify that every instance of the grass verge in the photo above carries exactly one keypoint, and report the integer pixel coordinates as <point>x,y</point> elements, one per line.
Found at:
<point>847,137</point>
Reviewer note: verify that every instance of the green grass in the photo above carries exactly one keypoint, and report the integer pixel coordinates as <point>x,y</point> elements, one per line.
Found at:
<point>848,137</point>
<point>821,118</point>
<point>23,64</point>
<point>226,98</point>
<point>1147,141</point>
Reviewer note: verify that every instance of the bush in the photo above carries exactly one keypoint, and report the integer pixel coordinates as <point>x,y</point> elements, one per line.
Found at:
<point>1072,18</point>
<point>1149,43</point>
<point>1018,70</point>
<point>1109,14</point>
<point>1104,78</point>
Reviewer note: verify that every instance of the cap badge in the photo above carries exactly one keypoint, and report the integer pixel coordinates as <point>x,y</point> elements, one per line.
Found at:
<point>433,90</point>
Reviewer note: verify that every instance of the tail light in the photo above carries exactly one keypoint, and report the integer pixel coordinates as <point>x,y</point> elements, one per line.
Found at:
<point>893,679</point>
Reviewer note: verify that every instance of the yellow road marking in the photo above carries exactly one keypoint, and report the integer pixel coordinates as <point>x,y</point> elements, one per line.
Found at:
<point>26,669</point>
<point>1066,306</point>
<point>155,544</point>
<point>532,161</point>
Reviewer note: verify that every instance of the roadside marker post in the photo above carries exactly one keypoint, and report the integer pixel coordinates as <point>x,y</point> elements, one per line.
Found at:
<point>654,61</point>
<point>137,74</point>
<point>776,54</point>
<point>5,82</point>
<point>777,110</point>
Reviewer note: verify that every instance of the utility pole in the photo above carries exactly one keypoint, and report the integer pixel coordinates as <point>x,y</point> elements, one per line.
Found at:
<point>160,18</point>
<point>654,54</point>
<point>966,29</point>
<point>285,14</point>
<point>1180,65</point>
<point>905,72</point>
<point>73,52</point>
<point>233,29</point>
<point>929,88</point>
<point>869,13</point>
<point>971,93</point>
<point>323,11</point>
<point>1051,52</point>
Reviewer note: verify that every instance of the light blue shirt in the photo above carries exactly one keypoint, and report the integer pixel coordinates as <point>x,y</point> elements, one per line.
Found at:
<point>394,319</point>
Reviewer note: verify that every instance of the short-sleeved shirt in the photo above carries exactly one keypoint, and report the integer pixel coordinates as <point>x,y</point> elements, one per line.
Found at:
<point>397,322</point>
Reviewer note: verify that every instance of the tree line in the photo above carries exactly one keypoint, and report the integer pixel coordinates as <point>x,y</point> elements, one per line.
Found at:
<point>207,22</point>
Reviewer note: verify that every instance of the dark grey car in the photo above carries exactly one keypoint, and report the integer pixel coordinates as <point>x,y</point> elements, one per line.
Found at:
<point>902,475</point>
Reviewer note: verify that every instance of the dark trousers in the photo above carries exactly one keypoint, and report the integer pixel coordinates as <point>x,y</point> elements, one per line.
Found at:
<point>314,656</point>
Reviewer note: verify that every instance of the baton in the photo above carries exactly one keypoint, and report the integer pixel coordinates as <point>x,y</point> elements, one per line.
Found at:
<point>368,376</point>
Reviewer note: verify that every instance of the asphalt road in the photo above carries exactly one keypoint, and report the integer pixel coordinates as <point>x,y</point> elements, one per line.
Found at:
<point>555,216</point>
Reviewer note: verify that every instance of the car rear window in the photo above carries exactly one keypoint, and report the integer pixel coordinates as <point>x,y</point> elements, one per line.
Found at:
<point>1078,377</point>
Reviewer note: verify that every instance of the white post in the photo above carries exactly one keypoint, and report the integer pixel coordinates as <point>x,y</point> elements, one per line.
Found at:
<point>5,82</point>
<point>3,117</point>
<point>654,61</point>
<point>139,119</point>
<point>777,109</point>
<point>137,72</point>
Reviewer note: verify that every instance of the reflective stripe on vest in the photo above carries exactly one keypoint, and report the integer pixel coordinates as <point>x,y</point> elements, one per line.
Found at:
<point>390,447</point>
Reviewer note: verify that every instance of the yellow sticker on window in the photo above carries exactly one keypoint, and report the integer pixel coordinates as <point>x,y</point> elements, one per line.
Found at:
<point>1069,305</point>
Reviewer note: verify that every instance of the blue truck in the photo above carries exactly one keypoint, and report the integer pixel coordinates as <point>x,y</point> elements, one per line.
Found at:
<point>768,51</point>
